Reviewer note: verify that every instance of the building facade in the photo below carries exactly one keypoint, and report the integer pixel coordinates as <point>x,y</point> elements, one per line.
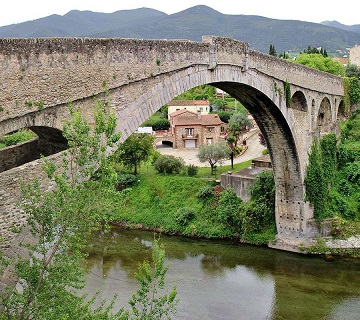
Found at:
<point>190,129</point>
<point>202,106</point>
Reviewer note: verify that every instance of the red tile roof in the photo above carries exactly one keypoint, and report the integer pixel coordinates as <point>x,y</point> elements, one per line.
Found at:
<point>194,119</point>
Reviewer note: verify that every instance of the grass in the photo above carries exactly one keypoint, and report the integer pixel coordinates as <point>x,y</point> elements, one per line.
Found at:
<point>205,172</point>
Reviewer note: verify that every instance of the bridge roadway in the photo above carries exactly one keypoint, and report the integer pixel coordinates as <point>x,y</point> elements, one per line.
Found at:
<point>39,77</point>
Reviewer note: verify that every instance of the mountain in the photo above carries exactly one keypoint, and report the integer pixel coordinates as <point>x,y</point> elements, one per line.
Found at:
<point>191,24</point>
<point>335,24</point>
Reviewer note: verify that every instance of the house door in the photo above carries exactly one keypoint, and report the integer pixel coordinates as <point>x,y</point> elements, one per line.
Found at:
<point>189,143</point>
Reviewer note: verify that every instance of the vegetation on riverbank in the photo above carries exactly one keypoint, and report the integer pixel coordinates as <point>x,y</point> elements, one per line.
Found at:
<point>196,207</point>
<point>333,179</point>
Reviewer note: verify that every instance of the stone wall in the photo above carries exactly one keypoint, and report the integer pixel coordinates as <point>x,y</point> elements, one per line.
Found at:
<point>12,216</point>
<point>17,155</point>
<point>355,55</point>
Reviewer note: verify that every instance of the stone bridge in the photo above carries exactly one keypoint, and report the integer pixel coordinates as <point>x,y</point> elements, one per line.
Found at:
<point>39,77</point>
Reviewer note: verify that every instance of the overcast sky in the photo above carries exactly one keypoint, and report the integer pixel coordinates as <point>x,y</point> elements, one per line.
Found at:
<point>345,11</point>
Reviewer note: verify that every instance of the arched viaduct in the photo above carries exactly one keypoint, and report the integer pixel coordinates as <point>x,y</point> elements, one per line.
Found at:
<point>38,78</point>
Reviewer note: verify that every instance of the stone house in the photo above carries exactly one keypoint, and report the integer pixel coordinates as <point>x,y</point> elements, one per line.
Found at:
<point>202,106</point>
<point>193,129</point>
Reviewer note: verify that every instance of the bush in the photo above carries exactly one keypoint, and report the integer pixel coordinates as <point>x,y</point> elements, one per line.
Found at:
<point>228,211</point>
<point>184,215</point>
<point>169,164</point>
<point>192,170</point>
<point>157,124</point>
<point>18,137</point>
<point>205,193</point>
<point>125,180</point>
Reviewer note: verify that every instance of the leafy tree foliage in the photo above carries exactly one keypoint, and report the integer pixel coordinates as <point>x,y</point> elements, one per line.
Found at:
<point>352,70</point>
<point>169,164</point>
<point>225,116</point>
<point>259,211</point>
<point>228,211</point>
<point>157,123</point>
<point>239,123</point>
<point>17,137</point>
<point>203,92</point>
<point>134,150</point>
<point>318,61</point>
<point>311,50</point>
<point>220,104</point>
<point>214,153</point>
<point>149,302</point>
<point>50,271</point>
<point>316,186</point>
<point>272,50</point>
<point>50,268</point>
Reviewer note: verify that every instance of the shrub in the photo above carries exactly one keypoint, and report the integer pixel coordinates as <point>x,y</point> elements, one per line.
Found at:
<point>125,180</point>
<point>18,137</point>
<point>169,164</point>
<point>184,215</point>
<point>157,124</point>
<point>192,170</point>
<point>205,193</point>
<point>228,211</point>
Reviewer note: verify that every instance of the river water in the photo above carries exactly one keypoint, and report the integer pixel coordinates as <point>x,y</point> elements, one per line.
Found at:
<point>227,281</point>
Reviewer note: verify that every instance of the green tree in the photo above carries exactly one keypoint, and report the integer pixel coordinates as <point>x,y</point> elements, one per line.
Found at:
<point>149,302</point>
<point>203,92</point>
<point>51,266</point>
<point>272,50</point>
<point>238,124</point>
<point>213,154</point>
<point>318,61</point>
<point>134,150</point>
<point>316,182</point>
<point>352,70</point>
<point>169,164</point>
<point>220,104</point>
<point>259,212</point>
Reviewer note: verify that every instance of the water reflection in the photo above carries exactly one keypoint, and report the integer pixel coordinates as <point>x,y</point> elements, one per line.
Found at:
<point>220,280</point>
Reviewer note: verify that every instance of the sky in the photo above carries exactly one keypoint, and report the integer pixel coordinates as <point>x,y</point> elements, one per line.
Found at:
<point>345,12</point>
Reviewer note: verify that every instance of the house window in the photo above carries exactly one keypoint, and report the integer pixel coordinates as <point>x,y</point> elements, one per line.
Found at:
<point>189,132</point>
<point>210,129</point>
<point>209,141</point>
<point>222,129</point>
<point>201,109</point>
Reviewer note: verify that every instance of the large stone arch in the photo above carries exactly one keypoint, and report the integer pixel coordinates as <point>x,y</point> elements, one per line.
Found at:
<point>256,92</point>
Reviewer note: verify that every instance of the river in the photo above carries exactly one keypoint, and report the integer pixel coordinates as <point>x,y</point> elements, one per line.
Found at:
<point>224,280</point>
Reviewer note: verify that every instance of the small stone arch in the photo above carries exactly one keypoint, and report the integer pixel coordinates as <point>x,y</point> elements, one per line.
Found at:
<point>298,102</point>
<point>49,141</point>
<point>324,121</point>
<point>341,112</point>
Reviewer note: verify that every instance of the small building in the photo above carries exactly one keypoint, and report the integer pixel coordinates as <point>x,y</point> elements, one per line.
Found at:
<point>343,61</point>
<point>190,129</point>
<point>202,106</point>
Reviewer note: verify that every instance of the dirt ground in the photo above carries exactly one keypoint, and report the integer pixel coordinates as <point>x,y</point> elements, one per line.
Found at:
<point>190,155</point>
